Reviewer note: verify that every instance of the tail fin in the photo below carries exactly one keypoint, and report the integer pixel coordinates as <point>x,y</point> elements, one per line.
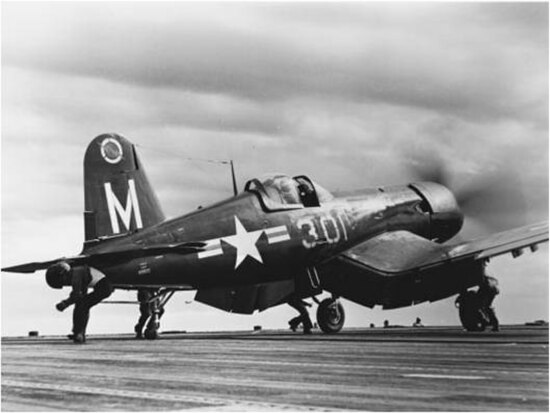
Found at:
<point>118,197</point>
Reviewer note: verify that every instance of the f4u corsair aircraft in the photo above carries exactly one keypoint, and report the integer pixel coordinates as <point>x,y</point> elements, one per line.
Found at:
<point>281,237</point>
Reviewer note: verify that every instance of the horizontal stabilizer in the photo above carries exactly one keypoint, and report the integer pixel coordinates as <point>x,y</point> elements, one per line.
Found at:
<point>32,266</point>
<point>112,256</point>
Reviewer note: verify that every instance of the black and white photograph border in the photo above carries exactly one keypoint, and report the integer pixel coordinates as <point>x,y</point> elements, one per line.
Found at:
<point>353,95</point>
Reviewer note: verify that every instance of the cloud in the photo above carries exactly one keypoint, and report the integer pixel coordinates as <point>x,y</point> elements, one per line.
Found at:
<point>463,60</point>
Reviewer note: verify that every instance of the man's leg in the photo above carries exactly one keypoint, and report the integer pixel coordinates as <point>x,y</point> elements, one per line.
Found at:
<point>80,319</point>
<point>493,320</point>
<point>299,306</point>
<point>102,290</point>
<point>306,320</point>
<point>295,322</point>
<point>145,313</point>
<point>81,315</point>
<point>144,310</point>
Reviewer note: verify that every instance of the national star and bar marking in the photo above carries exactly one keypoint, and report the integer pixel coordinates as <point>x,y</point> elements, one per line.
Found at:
<point>245,242</point>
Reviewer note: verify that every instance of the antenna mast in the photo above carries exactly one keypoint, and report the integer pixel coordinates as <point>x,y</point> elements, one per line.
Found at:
<point>235,191</point>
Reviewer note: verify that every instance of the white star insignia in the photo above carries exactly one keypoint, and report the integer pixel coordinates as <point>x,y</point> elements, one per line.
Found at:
<point>245,243</point>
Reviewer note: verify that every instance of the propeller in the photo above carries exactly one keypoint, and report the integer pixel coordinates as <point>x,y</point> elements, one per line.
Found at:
<point>493,198</point>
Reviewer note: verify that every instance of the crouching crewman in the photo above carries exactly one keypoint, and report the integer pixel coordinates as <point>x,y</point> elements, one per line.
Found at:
<point>81,278</point>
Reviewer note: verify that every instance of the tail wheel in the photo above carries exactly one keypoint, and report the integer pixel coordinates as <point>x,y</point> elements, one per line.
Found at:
<point>330,316</point>
<point>469,312</point>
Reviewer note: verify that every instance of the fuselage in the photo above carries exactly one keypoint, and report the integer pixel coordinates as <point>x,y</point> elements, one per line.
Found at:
<point>249,243</point>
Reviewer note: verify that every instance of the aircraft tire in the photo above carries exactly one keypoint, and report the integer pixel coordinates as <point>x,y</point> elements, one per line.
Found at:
<point>330,316</point>
<point>469,312</point>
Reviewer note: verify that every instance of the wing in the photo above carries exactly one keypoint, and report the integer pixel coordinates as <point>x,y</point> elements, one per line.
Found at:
<point>112,257</point>
<point>247,299</point>
<point>401,251</point>
<point>397,269</point>
<point>513,241</point>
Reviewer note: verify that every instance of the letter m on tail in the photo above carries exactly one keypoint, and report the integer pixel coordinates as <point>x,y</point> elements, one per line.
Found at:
<point>118,197</point>
<point>125,213</point>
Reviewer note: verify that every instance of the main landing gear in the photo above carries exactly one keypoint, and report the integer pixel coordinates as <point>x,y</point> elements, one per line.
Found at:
<point>157,303</point>
<point>474,313</point>
<point>471,312</point>
<point>330,315</point>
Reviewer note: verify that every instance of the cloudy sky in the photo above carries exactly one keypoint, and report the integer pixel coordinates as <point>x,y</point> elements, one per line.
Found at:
<point>342,92</point>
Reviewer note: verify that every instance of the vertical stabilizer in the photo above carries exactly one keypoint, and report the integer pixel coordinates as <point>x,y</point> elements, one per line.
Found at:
<point>118,197</point>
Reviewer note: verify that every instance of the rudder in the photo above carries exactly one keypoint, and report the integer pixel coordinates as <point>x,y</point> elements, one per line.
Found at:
<point>118,197</point>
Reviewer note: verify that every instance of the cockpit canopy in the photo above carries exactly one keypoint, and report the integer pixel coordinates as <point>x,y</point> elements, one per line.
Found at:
<point>278,192</point>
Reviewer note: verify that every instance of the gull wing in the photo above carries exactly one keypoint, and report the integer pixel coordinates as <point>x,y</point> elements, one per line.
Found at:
<point>398,269</point>
<point>401,251</point>
<point>514,241</point>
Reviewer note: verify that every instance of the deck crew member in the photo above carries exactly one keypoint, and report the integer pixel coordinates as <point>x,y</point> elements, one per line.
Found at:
<point>300,306</point>
<point>144,296</point>
<point>81,278</point>
<point>488,290</point>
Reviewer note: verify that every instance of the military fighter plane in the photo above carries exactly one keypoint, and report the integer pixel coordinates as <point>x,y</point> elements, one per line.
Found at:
<point>281,237</point>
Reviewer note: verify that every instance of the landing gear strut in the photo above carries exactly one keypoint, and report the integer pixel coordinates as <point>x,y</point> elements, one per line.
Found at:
<point>330,315</point>
<point>157,303</point>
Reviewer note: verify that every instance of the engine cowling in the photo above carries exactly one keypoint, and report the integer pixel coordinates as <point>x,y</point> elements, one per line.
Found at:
<point>445,216</point>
